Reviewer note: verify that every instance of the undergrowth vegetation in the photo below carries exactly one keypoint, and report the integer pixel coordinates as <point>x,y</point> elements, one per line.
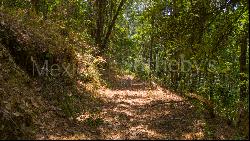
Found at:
<point>55,54</point>
<point>43,67</point>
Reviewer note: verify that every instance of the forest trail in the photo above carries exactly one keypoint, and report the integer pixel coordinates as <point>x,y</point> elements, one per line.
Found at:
<point>131,109</point>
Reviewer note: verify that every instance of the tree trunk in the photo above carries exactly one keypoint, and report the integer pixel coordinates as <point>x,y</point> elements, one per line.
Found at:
<point>151,47</point>
<point>243,121</point>
<point>100,8</point>
<point>111,25</point>
<point>243,67</point>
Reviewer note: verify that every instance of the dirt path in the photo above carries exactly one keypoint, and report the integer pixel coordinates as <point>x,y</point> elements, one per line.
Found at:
<point>132,110</point>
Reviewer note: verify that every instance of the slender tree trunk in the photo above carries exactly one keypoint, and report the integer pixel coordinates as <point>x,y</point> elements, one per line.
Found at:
<point>243,113</point>
<point>100,8</point>
<point>243,68</point>
<point>91,15</point>
<point>111,25</point>
<point>151,47</point>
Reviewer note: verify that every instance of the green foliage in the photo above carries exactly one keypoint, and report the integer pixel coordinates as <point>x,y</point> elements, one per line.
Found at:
<point>25,97</point>
<point>189,46</point>
<point>206,33</point>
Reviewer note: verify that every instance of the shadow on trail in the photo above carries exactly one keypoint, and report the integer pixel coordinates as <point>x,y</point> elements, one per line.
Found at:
<point>133,111</point>
<point>173,120</point>
<point>126,82</point>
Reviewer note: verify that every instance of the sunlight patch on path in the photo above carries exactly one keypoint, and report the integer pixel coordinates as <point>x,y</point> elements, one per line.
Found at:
<point>139,96</point>
<point>134,110</point>
<point>129,112</point>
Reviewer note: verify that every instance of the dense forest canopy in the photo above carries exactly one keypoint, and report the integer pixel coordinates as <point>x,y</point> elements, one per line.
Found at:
<point>198,48</point>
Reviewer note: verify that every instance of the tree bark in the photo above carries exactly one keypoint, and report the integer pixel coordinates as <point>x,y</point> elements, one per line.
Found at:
<point>100,5</point>
<point>151,47</point>
<point>111,25</point>
<point>243,67</point>
<point>243,121</point>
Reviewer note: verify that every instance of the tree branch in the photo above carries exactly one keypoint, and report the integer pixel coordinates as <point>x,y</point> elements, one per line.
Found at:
<point>110,27</point>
